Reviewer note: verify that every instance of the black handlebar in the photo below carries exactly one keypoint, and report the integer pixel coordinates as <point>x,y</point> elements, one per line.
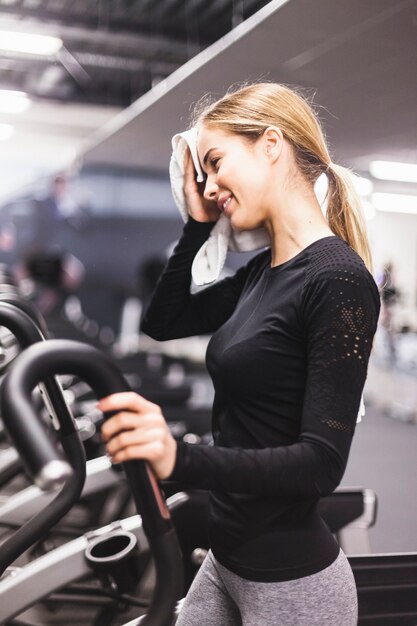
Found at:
<point>15,298</point>
<point>54,357</point>
<point>28,326</point>
<point>22,321</point>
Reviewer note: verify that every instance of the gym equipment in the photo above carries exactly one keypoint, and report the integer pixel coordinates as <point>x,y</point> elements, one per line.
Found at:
<point>350,513</point>
<point>18,508</point>
<point>23,320</point>
<point>386,583</point>
<point>10,465</point>
<point>27,332</point>
<point>43,459</point>
<point>387,588</point>
<point>28,326</point>
<point>67,564</point>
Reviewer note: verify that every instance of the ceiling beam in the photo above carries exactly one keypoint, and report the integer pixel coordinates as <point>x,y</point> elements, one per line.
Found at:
<point>136,44</point>
<point>85,58</point>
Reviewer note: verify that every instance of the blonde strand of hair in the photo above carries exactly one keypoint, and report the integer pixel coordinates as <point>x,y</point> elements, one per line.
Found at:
<point>344,212</point>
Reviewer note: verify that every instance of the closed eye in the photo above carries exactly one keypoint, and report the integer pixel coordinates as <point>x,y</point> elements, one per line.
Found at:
<point>214,162</point>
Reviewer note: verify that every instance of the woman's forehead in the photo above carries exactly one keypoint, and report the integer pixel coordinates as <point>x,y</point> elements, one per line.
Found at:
<point>211,137</point>
<point>208,134</point>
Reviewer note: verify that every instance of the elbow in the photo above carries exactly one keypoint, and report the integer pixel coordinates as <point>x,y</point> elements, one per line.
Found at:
<point>326,482</point>
<point>153,330</point>
<point>159,332</point>
<point>156,333</point>
<point>326,468</point>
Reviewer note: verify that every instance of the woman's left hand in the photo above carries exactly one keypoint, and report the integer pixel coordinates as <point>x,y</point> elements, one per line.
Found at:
<point>138,431</point>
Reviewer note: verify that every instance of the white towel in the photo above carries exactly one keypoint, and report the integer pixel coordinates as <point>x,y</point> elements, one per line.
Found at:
<point>210,259</point>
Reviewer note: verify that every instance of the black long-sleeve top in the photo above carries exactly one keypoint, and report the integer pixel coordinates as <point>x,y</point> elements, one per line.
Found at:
<point>288,358</point>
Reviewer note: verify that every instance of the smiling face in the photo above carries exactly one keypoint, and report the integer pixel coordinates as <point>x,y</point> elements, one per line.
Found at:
<point>238,176</point>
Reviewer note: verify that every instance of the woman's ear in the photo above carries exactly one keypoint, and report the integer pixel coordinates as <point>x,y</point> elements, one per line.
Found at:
<point>273,142</point>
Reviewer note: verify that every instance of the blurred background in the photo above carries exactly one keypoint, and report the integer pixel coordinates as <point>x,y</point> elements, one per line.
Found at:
<point>91,93</point>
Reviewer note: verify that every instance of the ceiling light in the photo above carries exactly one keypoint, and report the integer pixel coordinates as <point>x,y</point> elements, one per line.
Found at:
<point>29,43</point>
<point>13,101</point>
<point>395,203</point>
<point>392,170</point>
<point>6,131</point>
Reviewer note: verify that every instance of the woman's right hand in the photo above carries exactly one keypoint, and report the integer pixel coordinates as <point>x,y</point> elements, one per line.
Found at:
<point>199,208</point>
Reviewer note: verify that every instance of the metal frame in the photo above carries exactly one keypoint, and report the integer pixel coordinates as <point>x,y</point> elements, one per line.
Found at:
<point>20,588</point>
<point>16,509</point>
<point>354,537</point>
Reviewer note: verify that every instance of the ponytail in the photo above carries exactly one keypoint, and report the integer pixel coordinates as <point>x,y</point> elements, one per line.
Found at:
<point>344,212</point>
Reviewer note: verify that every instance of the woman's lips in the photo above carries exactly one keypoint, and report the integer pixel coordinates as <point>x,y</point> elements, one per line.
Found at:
<point>224,203</point>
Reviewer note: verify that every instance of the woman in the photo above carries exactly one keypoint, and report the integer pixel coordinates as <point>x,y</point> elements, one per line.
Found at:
<point>292,334</point>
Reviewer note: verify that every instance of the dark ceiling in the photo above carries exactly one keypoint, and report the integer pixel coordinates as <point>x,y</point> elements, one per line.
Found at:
<point>114,50</point>
<point>358,58</point>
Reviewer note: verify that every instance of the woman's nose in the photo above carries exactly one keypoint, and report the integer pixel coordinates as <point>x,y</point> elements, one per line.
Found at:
<point>211,189</point>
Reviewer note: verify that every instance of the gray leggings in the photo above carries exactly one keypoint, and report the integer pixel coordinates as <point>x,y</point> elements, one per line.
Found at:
<point>218,597</point>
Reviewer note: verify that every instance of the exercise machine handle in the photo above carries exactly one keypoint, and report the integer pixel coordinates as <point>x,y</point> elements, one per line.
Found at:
<point>60,356</point>
<point>15,298</point>
<point>23,324</point>
<point>27,324</point>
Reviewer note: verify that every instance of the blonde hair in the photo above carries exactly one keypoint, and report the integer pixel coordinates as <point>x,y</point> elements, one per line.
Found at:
<point>250,109</point>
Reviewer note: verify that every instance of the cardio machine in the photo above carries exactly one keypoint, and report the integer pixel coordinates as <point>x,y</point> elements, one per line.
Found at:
<point>386,583</point>
<point>27,327</point>
<point>50,468</point>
